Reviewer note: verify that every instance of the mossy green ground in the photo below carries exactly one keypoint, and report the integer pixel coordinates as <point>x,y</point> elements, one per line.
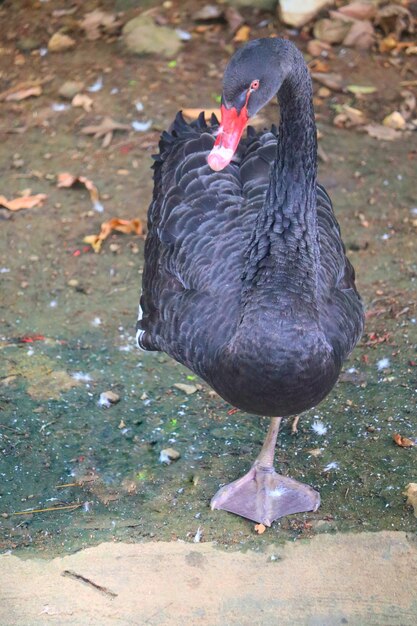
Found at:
<point>82,306</point>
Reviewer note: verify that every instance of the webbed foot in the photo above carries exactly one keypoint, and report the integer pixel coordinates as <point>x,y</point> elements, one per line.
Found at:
<point>263,495</point>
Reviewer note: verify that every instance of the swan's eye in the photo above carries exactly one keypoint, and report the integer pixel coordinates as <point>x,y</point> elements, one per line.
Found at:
<point>254,85</point>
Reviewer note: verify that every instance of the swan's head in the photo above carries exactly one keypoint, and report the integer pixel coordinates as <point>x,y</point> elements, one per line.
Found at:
<point>253,76</point>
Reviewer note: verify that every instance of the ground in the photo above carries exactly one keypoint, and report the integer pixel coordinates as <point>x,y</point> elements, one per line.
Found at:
<point>68,314</point>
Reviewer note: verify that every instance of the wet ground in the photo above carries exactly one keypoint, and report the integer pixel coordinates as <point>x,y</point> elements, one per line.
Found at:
<point>68,318</point>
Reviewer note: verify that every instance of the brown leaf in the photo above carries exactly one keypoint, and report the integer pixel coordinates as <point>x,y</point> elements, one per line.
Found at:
<point>403,442</point>
<point>411,493</point>
<point>395,120</point>
<point>316,47</point>
<point>98,22</point>
<point>187,389</point>
<point>233,18</point>
<point>361,36</point>
<point>22,94</point>
<point>33,88</point>
<point>65,179</point>
<point>25,202</point>
<point>60,43</point>
<point>318,65</point>
<point>242,34</point>
<point>383,133</point>
<point>332,80</point>
<point>123,226</point>
<point>260,529</point>
<point>387,44</point>
<point>349,117</point>
<point>359,10</point>
<point>82,100</point>
<point>105,129</point>
<point>395,19</point>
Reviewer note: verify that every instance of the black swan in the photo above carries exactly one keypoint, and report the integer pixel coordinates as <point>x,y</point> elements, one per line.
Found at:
<point>246,281</point>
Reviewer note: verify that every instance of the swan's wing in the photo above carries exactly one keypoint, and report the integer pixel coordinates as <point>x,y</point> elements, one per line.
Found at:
<point>199,226</point>
<point>341,308</point>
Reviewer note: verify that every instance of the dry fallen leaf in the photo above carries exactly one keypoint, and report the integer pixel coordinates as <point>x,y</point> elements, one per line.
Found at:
<point>234,18</point>
<point>187,389</point>
<point>82,100</point>
<point>348,117</point>
<point>387,44</point>
<point>242,34</point>
<point>123,226</point>
<point>403,442</point>
<point>318,65</point>
<point>105,129</point>
<point>359,10</point>
<point>21,91</point>
<point>25,202</point>
<point>361,35</point>
<point>383,133</point>
<point>315,451</point>
<point>411,493</point>
<point>260,529</point>
<point>395,120</point>
<point>97,22</point>
<point>394,19</point>
<point>22,94</point>
<point>60,42</point>
<point>65,179</point>
<point>332,80</point>
<point>316,47</point>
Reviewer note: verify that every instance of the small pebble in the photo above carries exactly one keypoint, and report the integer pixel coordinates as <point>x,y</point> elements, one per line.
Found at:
<point>168,454</point>
<point>107,398</point>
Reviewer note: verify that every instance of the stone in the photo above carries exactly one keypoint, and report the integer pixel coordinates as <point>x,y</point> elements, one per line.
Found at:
<point>299,12</point>
<point>60,43</point>
<point>142,36</point>
<point>70,88</point>
<point>107,398</point>
<point>27,44</point>
<point>169,454</point>
<point>331,31</point>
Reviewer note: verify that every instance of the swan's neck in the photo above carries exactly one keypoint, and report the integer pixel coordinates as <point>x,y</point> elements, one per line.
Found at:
<point>283,254</point>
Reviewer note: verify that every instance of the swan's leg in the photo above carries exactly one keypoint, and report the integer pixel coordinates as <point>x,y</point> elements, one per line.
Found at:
<point>262,495</point>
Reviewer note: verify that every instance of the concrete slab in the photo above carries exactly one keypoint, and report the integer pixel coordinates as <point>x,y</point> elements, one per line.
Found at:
<point>356,579</point>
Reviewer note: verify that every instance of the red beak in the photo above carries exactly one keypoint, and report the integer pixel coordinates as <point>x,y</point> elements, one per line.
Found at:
<point>230,131</point>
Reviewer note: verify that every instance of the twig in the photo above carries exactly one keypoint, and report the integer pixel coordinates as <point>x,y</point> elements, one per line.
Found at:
<point>14,430</point>
<point>67,485</point>
<point>52,508</point>
<point>87,581</point>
